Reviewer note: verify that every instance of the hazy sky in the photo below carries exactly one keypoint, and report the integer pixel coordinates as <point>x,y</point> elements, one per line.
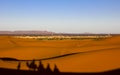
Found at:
<point>77,16</point>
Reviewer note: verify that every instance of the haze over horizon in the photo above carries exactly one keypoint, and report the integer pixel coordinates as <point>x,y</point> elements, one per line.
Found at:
<point>68,16</point>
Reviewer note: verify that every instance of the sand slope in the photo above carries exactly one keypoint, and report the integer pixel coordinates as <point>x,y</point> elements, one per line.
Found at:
<point>95,61</point>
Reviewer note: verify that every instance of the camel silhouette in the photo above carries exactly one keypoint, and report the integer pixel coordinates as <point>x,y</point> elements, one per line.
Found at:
<point>56,70</point>
<point>19,66</point>
<point>41,67</point>
<point>32,65</point>
<point>48,69</point>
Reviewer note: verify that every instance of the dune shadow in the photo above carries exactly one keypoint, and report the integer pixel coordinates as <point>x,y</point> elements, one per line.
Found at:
<point>8,59</point>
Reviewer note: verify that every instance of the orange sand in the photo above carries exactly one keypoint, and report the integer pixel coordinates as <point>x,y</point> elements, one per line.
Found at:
<point>101,55</point>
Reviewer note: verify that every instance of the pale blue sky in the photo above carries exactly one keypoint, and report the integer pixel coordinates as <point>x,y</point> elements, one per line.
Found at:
<point>71,16</point>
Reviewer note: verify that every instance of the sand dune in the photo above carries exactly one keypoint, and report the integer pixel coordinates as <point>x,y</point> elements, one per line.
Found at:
<point>92,61</point>
<point>89,61</point>
<point>98,55</point>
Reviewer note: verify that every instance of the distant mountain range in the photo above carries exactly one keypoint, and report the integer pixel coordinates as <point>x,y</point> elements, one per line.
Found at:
<point>26,33</point>
<point>49,33</point>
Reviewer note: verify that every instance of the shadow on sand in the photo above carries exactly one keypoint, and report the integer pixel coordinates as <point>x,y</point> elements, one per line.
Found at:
<point>41,70</point>
<point>28,72</point>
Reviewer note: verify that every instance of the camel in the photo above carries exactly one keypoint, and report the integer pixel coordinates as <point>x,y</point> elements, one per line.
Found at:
<point>19,66</point>
<point>41,67</point>
<point>32,65</point>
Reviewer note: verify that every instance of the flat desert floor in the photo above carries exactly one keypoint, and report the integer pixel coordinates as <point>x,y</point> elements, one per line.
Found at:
<point>92,55</point>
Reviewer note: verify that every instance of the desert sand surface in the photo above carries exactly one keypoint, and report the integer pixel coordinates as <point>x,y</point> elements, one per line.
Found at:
<point>93,55</point>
